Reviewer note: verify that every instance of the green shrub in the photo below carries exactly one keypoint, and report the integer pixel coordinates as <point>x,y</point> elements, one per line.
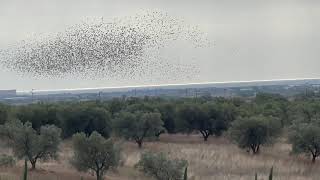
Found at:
<point>7,161</point>
<point>160,167</point>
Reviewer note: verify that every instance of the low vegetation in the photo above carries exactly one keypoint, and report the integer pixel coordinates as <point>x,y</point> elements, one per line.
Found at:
<point>7,160</point>
<point>158,165</point>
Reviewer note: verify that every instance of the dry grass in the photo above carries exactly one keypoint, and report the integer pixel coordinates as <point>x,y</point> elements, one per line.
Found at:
<point>216,159</point>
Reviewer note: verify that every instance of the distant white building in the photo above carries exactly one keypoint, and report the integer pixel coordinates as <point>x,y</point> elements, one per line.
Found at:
<point>246,89</point>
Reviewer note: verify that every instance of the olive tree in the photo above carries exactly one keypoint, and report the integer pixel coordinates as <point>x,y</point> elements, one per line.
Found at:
<point>252,132</point>
<point>94,153</point>
<point>160,167</point>
<point>26,142</point>
<point>305,138</point>
<point>207,119</point>
<point>137,125</point>
<point>191,117</point>
<point>168,116</point>
<point>85,118</point>
<point>38,114</point>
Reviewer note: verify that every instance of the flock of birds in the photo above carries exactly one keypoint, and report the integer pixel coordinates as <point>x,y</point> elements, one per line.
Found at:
<point>125,47</point>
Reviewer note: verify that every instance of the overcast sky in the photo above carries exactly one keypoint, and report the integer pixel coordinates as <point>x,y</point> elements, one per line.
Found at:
<point>253,40</point>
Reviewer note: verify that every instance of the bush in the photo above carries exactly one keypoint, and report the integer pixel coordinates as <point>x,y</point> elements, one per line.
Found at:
<point>7,161</point>
<point>160,167</point>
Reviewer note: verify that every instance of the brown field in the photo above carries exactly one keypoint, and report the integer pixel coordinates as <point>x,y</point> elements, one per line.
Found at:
<point>216,159</point>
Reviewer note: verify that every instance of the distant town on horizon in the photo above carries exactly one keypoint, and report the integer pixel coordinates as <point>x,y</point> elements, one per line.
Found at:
<point>285,87</point>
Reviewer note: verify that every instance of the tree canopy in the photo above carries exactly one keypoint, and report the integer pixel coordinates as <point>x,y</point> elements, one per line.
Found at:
<point>85,119</point>
<point>305,138</point>
<point>208,119</point>
<point>94,153</point>
<point>26,142</point>
<point>137,126</point>
<point>251,133</point>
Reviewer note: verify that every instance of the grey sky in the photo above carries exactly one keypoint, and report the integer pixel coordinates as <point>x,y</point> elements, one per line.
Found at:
<point>253,40</point>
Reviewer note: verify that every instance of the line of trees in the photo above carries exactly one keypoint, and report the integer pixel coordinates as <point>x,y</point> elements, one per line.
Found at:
<point>34,131</point>
<point>133,119</point>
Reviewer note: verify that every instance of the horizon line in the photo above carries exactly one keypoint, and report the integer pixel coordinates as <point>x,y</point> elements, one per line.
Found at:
<point>160,85</point>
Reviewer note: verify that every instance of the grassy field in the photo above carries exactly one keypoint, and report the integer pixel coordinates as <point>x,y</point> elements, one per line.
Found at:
<point>216,159</point>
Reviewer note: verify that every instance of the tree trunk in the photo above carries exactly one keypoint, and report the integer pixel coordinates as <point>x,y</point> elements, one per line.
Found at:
<point>205,138</point>
<point>159,133</point>
<point>255,149</point>
<point>258,149</point>
<point>99,175</point>
<point>33,164</point>
<point>25,172</point>
<point>139,144</point>
<point>205,135</point>
<point>314,158</point>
